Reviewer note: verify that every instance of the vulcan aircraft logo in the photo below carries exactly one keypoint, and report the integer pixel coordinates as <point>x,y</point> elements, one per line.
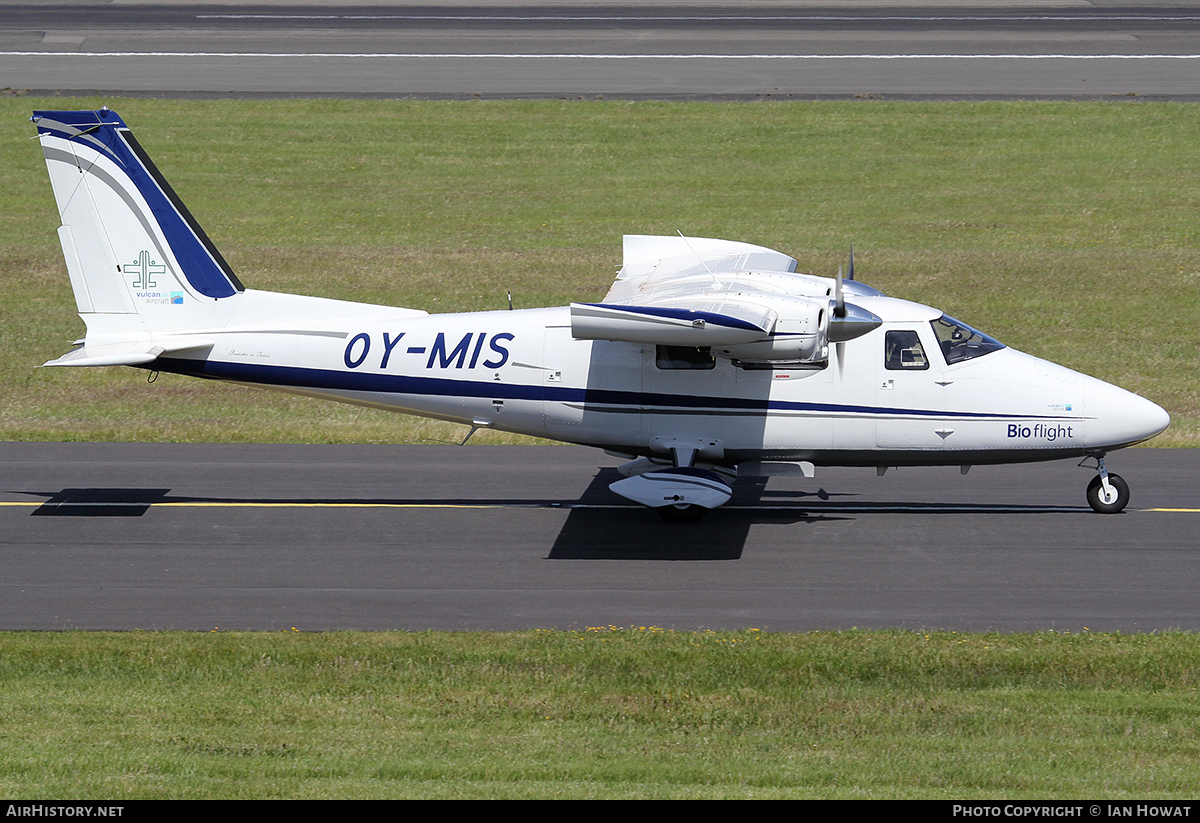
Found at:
<point>143,269</point>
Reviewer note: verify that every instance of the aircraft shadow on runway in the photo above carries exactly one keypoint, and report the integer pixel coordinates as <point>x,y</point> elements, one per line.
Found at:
<point>599,530</point>
<point>99,502</point>
<point>602,529</point>
<point>599,524</point>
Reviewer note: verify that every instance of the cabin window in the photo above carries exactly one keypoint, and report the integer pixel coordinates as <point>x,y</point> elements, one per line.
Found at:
<point>684,357</point>
<point>960,342</point>
<point>902,351</point>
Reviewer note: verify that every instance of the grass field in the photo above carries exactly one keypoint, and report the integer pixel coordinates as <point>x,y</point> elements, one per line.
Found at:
<point>1068,230</point>
<point>603,712</point>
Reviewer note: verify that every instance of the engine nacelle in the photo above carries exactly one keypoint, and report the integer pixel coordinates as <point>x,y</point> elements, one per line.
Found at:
<point>705,321</point>
<point>800,335</point>
<point>736,325</point>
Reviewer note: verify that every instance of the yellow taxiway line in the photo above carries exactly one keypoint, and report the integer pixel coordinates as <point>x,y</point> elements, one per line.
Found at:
<point>304,505</point>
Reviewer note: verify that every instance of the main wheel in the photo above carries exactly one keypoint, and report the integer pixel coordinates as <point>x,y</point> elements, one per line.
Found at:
<point>1111,503</point>
<point>681,514</point>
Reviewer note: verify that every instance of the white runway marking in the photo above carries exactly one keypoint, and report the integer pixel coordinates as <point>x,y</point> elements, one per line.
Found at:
<point>503,56</point>
<point>750,18</point>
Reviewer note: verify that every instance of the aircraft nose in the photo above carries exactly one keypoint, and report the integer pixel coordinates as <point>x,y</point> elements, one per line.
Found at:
<point>1121,418</point>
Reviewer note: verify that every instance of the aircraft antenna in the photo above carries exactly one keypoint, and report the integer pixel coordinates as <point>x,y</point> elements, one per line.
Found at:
<point>510,308</point>
<point>698,257</point>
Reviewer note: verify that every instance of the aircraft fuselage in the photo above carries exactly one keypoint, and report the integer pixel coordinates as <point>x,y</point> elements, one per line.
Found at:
<point>522,371</point>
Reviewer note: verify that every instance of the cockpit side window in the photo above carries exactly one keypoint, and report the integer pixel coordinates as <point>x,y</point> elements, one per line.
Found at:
<point>902,351</point>
<point>960,342</point>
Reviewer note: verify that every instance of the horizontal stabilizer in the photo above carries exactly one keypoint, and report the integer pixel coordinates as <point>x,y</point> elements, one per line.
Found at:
<point>127,354</point>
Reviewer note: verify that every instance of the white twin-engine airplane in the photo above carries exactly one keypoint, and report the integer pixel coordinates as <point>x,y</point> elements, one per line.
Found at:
<point>707,360</point>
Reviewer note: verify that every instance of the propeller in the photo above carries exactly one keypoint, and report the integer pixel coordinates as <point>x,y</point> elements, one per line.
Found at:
<point>839,306</point>
<point>848,320</point>
<point>839,313</point>
<point>839,299</point>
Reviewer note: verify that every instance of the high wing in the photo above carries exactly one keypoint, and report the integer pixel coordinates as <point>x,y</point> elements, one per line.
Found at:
<point>651,264</point>
<point>745,302</point>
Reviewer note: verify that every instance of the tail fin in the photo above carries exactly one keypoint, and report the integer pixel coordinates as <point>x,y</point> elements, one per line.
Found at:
<point>138,261</point>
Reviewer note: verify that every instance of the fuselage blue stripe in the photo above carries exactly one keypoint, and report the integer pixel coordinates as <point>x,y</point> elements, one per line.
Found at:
<point>331,380</point>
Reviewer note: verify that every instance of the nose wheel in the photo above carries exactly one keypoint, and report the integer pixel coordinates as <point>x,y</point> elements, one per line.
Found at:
<point>1108,500</point>
<point>1107,493</point>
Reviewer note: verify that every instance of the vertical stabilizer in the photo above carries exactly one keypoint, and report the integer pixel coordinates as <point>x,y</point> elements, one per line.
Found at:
<point>137,259</point>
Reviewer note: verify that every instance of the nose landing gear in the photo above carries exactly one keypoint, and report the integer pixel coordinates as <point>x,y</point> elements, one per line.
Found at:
<point>1107,493</point>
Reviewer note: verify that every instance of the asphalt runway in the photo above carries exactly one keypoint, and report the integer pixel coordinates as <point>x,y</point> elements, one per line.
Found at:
<point>666,50</point>
<point>264,537</point>
<point>127,536</point>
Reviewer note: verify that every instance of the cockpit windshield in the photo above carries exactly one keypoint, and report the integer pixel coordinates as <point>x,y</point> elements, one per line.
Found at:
<point>961,342</point>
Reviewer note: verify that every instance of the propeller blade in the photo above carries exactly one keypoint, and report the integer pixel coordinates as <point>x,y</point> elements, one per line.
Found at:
<point>850,274</point>
<point>839,299</point>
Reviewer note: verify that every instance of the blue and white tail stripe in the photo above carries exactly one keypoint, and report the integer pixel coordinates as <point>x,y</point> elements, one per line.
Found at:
<point>80,139</point>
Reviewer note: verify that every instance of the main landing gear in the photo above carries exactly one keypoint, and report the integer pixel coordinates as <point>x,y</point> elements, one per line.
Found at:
<point>685,513</point>
<point>1107,493</point>
<point>680,492</point>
